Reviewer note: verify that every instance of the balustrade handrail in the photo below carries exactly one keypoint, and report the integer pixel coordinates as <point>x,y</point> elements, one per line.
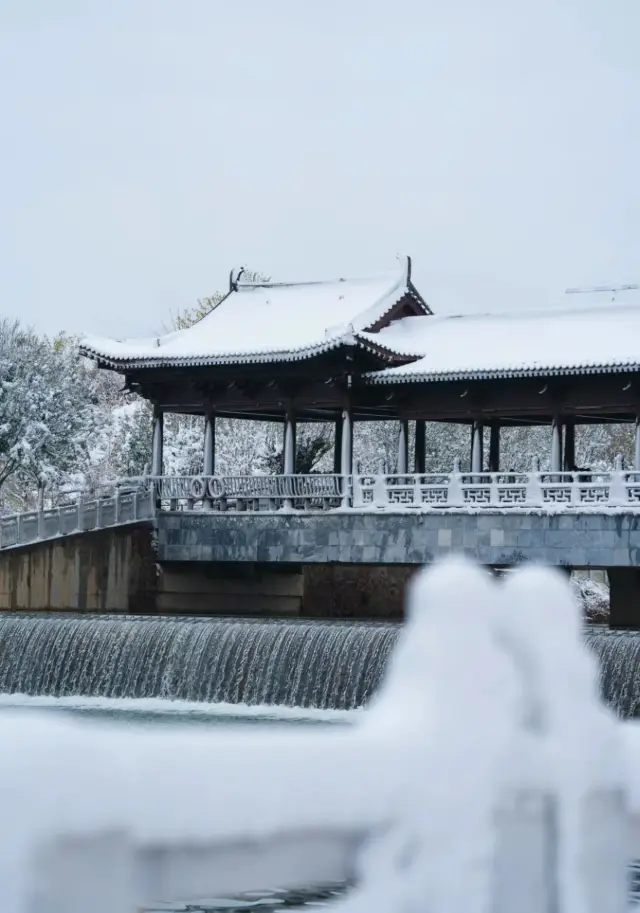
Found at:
<point>122,501</point>
<point>503,491</point>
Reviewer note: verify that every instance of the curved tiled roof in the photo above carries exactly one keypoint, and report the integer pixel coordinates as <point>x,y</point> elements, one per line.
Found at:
<point>579,340</point>
<point>268,322</point>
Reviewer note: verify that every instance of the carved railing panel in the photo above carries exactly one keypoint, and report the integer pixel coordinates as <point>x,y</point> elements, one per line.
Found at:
<point>426,491</point>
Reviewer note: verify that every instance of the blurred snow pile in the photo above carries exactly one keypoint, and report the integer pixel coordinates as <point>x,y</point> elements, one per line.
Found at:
<point>508,783</point>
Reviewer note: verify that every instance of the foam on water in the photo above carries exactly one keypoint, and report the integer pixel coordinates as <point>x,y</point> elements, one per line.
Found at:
<point>160,707</point>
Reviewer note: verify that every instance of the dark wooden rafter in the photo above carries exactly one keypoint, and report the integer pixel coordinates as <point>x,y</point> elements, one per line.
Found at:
<point>317,387</point>
<point>410,305</point>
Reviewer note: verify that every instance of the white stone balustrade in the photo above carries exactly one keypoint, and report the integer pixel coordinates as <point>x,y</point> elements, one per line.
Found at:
<point>132,500</point>
<point>79,512</point>
<point>466,491</point>
<point>486,776</point>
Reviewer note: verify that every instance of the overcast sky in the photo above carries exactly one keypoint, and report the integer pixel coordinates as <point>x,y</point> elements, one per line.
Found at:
<point>148,146</point>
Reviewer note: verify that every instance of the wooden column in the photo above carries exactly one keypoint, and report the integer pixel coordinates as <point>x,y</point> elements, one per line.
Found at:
<point>209,462</point>
<point>477,433</point>
<point>556,446</point>
<point>403,448</point>
<point>290,443</point>
<point>494,447</point>
<point>337,447</point>
<point>420,449</point>
<point>569,446</point>
<point>636,462</point>
<point>346,443</point>
<point>157,443</point>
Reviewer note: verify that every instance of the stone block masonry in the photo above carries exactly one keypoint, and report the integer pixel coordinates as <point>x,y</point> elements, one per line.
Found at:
<point>109,570</point>
<point>574,540</point>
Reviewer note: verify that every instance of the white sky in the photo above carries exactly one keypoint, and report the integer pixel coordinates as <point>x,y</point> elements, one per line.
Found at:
<point>147,146</point>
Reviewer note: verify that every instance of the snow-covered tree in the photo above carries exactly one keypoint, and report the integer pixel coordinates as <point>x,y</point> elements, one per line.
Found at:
<point>48,412</point>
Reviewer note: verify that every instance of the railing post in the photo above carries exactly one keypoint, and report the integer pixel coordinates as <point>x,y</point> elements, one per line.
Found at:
<point>576,493</point>
<point>19,529</point>
<point>134,502</point>
<point>618,494</point>
<point>525,870</point>
<point>380,495</point>
<point>78,873</point>
<point>533,494</point>
<point>116,506</point>
<point>358,499</point>
<point>80,508</point>
<point>603,826</point>
<point>417,492</point>
<point>455,492</point>
<point>494,490</point>
<point>41,521</point>
<point>99,506</point>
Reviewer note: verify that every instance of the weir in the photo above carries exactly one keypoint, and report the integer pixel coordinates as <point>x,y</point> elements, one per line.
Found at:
<point>328,665</point>
<point>306,664</point>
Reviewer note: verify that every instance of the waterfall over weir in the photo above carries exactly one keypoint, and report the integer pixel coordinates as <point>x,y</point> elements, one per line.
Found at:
<point>332,665</point>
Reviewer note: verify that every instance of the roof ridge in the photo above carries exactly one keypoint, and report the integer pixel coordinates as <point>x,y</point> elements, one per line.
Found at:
<point>554,311</point>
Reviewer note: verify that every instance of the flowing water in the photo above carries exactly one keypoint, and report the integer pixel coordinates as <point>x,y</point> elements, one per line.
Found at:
<point>310,664</point>
<point>262,662</point>
<point>618,653</point>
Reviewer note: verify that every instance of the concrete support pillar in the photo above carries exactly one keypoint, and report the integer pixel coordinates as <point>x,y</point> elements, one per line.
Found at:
<point>494,447</point>
<point>556,446</point>
<point>157,443</point>
<point>477,433</point>
<point>569,446</point>
<point>636,462</point>
<point>403,448</point>
<point>420,448</point>
<point>290,443</point>
<point>346,448</point>
<point>624,597</point>
<point>209,462</point>
<point>337,447</point>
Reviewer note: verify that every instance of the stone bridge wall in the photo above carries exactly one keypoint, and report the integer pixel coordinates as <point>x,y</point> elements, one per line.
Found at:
<point>329,565</point>
<point>109,570</point>
<point>574,540</point>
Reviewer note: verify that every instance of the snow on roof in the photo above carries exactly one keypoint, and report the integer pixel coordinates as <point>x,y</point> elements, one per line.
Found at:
<point>268,321</point>
<point>571,340</point>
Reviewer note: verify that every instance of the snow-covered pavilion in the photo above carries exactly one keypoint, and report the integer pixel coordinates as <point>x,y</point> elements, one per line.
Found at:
<point>362,349</point>
<point>271,351</point>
